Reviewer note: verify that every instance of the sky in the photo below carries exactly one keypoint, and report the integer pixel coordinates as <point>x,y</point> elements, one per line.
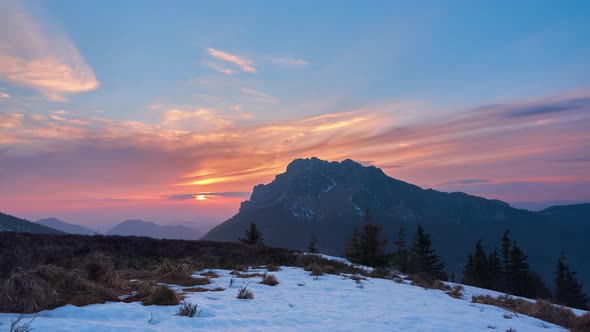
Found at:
<point>171,111</point>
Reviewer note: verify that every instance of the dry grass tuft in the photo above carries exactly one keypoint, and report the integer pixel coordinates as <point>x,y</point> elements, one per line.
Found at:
<point>315,269</point>
<point>245,294</point>
<point>269,280</point>
<point>272,268</point>
<point>329,269</point>
<point>188,309</point>
<point>162,295</point>
<point>456,292</point>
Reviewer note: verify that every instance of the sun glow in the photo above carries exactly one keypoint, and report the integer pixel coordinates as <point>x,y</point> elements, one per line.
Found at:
<point>200,197</point>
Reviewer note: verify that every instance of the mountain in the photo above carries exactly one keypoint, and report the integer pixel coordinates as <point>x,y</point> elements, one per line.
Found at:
<point>575,213</point>
<point>65,227</point>
<point>328,199</point>
<point>9,223</point>
<point>150,229</point>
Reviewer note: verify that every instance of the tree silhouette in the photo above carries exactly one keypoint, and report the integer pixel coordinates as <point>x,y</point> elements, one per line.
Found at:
<point>399,259</point>
<point>477,269</point>
<point>423,259</point>
<point>311,247</point>
<point>568,290</point>
<point>367,248</point>
<point>253,236</point>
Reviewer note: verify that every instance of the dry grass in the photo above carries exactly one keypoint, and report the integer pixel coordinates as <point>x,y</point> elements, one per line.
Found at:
<point>196,290</point>
<point>272,268</point>
<point>315,269</point>
<point>49,287</point>
<point>456,292</point>
<point>329,269</point>
<point>188,309</point>
<point>245,275</point>
<point>245,294</point>
<point>428,282</point>
<point>541,309</point>
<point>162,295</point>
<point>210,274</point>
<point>270,280</point>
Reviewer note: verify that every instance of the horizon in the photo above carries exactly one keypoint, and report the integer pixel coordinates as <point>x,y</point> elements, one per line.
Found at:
<point>172,113</point>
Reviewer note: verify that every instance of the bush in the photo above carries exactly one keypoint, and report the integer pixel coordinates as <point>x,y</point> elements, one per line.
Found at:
<point>162,295</point>
<point>245,293</point>
<point>269,280</point>
<point>188,309</point>
<point>315,269</point>
<point>329,269</point>
<point>456,292</point>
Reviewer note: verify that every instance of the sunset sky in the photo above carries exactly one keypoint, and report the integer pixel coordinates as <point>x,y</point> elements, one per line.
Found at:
<point>172,111</point>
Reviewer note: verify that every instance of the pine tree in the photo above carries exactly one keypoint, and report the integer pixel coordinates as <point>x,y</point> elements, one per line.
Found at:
<point>423,258</point>
<point>518,271</point>
<point>476,271</point>
<point>506,249</point>
<point>399,258</point>
<point>568,290</point>
<point>311,247</point>
<point>253,236</point>
<point>367,248</point>
<point>495,270</point>
<point>353,248</point>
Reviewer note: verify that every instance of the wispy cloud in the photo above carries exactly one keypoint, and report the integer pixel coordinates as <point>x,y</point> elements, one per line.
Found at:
<point>39,56</point>
<point>4,95</point>
<point>260,95</point>
<point>285,61</point>
<point>243,63</point>
<point>193,196</point>
<point>219,68</point>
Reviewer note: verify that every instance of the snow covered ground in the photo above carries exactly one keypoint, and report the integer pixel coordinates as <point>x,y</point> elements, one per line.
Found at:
<point>298,303</point>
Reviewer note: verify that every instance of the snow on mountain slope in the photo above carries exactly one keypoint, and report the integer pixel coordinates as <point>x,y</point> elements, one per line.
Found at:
<point>298,303</point>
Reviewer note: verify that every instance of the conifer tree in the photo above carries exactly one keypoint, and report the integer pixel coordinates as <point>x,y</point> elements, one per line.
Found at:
<point>422,258</point>
<point>253,236</point>
<point>506,249</point>
<point>476,271</point>
<point>568,290</point>
<point>311,247</point>
<point>399,259</point>
<point>495,270</point>
<point>353,248</point>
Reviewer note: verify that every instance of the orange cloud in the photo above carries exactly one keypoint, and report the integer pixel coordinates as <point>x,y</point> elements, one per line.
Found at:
<point>245,65</point>
<point>40,57</point>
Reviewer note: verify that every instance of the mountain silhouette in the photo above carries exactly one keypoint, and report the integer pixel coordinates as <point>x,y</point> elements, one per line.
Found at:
<point>10,223</point>
<point>150,229</point>
<point>65,227</point>
<point>328,199</point>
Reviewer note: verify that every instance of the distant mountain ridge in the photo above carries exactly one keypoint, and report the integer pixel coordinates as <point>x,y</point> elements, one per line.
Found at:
<point>65,227</point>
<point>10,223</point>
<point>327,200</point>
<point>150,229</point>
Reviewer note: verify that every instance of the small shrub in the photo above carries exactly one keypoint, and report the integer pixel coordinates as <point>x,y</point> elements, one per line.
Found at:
<point>188,309</point>
<point>456,292</point>
<point>16,326</point>
<point>508,316</point>
<point>315,269</point>
<point>162,295</point>
<point>245,293</point>
<point>360,284</point>
<point>269,280</point>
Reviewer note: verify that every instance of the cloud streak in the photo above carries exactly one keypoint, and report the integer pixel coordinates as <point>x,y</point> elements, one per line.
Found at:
<point>39,56</point>
<point>243,63</point>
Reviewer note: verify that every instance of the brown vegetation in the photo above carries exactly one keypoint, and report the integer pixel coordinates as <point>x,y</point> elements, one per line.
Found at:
<point>245,294</point>
<point>456,292</point>
<point>428,282</point>
<point>162,295</point>
<point>269,279</point>
<point>210,274</point>
<point>541,309</point>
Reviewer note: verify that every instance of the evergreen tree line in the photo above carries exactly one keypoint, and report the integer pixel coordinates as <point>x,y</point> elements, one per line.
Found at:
<point>505,271</point>
<point>508,271</point>
<point>367,247</point>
